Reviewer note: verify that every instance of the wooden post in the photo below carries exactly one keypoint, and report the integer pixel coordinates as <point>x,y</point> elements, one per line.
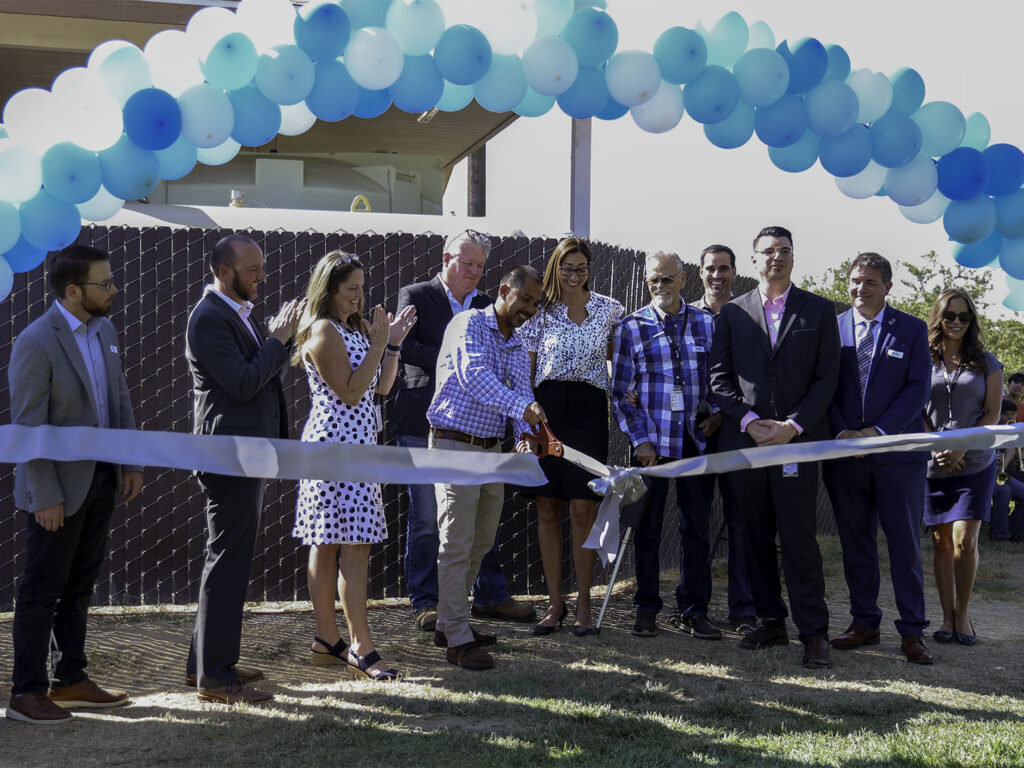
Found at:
<point>476,191</point>
<point>579,184</point>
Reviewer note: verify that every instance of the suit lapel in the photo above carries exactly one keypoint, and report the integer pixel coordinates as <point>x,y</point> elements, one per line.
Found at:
<point>251,344</point>
<point>794,302</point>
<point>112,362</point>
<point>847,337</point>
<point>67,342</point>
<point>439,295</point>
<point>751,304</point>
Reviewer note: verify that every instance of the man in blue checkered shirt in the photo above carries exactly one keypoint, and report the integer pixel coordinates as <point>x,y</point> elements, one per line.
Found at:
<point>483,381</point>
<point>661,353</point>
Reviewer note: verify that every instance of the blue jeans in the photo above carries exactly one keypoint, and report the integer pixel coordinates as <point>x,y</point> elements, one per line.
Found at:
<point>1003,524</point>
<point>421,544</point>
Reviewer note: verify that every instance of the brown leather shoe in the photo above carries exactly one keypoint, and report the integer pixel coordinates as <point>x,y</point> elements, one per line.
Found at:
<point>469,656</point>
<point>480,639</point>
<point>245,675</point>
<point>917,652</point>
<point>510,610</point>
<point>35,709</point>
<point>234,694</point>
<point>426,618</point>
<point>87,695</point>
<point>856,636</point>
<point>764,636</point>
<point>817,654</point>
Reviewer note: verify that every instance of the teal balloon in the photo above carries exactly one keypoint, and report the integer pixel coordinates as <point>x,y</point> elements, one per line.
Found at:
<point>963,174</point>
<point>71,174</point>
<point>970,221</point>
<point>907,91</point>
<point>978,132</point>
<point>942,127</point>
<point>552,16</point>
<point>1015,301</point>
<point>322,29</point>
<point>735,130</point>
<point>177,160</point>
<point>152,119</point>
<point>592,33</point>
<point>914,183</point>
<point>1010,215</point>
<point>10,226</point>
<point>681,54</point>
<point>463,54</point>
<point>129,171</point>
<point>536,104</point>
<point>455,97</point>
<point>978,255</point>
<point>1011,257</point>
<point>419,87</point>
<point>726,40</point>
<point>807,60</point>
<point>895,140</point>
<point>231,62</point>
<point>832,108</point>
<point>49,223</point>
<point>848,154</point>
<point>504,85</point>
<point>782,123</point>
<point>334,94</point>
<point>762,75</point>
<point>1006,166</point>
<point>285,74</point>
<point>416,25</point>
<point>366,13</point>
<point>797,157</point>
<point>257,118</point>
<point>587,97</point>
<point>23,257</point>
<point>711,96</point>
<point>372,103</point>
<point>838,63</point>
<point>612,110</point>
<point>6,279</point>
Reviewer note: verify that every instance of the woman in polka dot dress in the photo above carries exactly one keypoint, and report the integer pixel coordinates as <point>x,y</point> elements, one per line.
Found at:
<point>347,360</point>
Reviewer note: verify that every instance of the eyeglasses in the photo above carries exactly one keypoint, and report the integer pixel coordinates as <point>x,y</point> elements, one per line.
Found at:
<point>784,252</point>
<point>569,271</point>
<point>965,317</point>
<point>106,285</point>
<point>657,282</point>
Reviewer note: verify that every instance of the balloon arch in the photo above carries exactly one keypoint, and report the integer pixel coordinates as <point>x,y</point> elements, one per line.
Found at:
<point>110,131</point>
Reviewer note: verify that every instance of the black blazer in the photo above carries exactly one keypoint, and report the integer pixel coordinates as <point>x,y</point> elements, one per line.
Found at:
<point>795,379</point>
<point>236,382</point>
<point>419,353</point>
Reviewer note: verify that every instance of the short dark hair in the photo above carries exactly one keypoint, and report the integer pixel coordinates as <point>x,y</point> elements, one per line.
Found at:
<point>517,277</point>
<point>1016,378</point>
<point>774,231</point>
<point>1007,405</point>
<point>224,251</point>
<point>71,265</point>
<point>717,248</point>
<point>872,260</point>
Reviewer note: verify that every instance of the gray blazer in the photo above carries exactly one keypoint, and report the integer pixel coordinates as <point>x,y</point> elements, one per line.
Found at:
<point>49,384</point>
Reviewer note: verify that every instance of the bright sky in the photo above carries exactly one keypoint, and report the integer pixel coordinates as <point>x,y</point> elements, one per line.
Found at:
<point>677,191</point>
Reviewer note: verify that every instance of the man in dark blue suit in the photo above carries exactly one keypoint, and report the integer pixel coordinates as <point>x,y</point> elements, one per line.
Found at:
<point>884,382</point>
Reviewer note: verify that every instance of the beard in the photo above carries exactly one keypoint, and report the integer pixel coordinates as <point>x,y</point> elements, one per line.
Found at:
<point>97,308</point>
<point>242,290</point>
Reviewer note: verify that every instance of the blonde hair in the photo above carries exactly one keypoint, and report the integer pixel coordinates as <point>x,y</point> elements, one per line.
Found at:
<point>331,271</point>
<point>551,288</point>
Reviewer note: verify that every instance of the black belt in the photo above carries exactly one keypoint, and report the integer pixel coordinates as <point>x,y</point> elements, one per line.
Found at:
<point>462,437</point>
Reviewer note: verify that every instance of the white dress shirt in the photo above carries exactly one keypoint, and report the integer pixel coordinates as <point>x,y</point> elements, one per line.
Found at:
<point>86,336</point>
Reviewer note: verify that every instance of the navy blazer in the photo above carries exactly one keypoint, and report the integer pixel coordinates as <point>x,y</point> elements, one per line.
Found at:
<point>899,381</point>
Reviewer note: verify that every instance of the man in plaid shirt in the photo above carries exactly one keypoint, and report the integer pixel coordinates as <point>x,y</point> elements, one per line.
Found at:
<point>483,380</point>
<point>661,352</point>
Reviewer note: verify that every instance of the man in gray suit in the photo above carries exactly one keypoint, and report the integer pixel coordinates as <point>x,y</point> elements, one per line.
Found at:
<point>236,383</point>
<point>65,370</point>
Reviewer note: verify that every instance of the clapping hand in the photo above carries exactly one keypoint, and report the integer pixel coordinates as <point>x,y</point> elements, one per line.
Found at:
<point>400,326</point>
<point>378,328</point>
<point>282,325</point>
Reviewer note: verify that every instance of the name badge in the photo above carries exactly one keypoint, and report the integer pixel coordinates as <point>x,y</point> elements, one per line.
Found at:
<point>113,348</point>
<point>894,353</point>
<point>676,400</point>
<point>379,414</point>
<point>790,470</point>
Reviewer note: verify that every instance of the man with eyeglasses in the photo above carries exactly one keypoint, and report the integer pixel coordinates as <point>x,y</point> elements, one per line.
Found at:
<point>450,292</point>
<point>661,353</point>
<point>65,371</point>
<point>774,367</point>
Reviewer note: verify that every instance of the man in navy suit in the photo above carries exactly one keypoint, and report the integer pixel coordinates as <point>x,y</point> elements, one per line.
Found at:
<point>884,383</point>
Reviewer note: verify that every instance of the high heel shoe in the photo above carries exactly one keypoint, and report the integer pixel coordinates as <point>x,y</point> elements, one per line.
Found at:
<point>547,629</point>
<point>970,639</point>
<point>580,631</point>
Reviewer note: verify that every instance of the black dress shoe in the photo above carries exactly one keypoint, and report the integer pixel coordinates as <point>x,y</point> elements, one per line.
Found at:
<point>765,636</point>
<point>479,638</point>
<point>817,654</point>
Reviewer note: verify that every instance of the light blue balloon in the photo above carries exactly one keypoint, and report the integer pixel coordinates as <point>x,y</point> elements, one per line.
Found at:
<point>285,74</point>
<point>129,171</point>
<point>711,96</point>
<point>1014,301</point>
<point>681,54</point>
<point>416,25</point>
<point>782,123</point>
<point>927,211</point>
<point>832,108</point>
<point>101,207</point>
<point>1011,256</point>
<point>455,97</point>
<point>535,104</point>
<point>808,63</point>
<point>726,40</point>
<point>6,279</point>
<point>219,155</point>
<point>335,94</point>
<point>633,77</point>
<point>231,62</point>
<point>419,87</point>
<point>21,174</point>
<point>10,226</point>
<point>914,183</point>
<point>588,95</point>
<point>735,130</point>
<point>978,132</point>
<point>978,255</point>
<point>907,91</point>
<point>1010,215</point>
<point>942,127</point>
<point>592,33</point>
<point>838,63</point>
<point>322,29</point>
<point>970,221</point>
<point>612,110</point>
<point>463,55</point>
<point>762,75</point>
<point>70,174</point>
<point>504,85</point>
<point>552,16</point>
<point>23,257</point>
<point>206,116</point>
<point>895,140</point>
<point>366,13</point>
<point>550,65</point>
<point>177,160</point>
<point>152,119</point>
<point>799,156</point>
<point>257,118</point>
<point>123,69</point>
<point>848,154</point>
<point>372,103</point>
<point>48,223</point>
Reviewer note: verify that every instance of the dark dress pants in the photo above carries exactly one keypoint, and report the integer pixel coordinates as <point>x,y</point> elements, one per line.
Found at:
<point>56,588</point>
<point>233,506</point>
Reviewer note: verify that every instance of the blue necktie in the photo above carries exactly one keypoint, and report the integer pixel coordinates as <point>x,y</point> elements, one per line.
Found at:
<point>865,348</point>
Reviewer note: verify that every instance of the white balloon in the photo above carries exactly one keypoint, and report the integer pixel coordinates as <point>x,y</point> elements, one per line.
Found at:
<point>373,58</point>
<point>633,77</point>
<point>173,62</point>
<point>863,185</point>
<point>661,113</point>
<point>510,25</point>
<point>21,173</point>
<point>32,119</point>
<point>207,117</point>
<point>928,211</point>
<point>874,92</point>
<point>267,22</point>
<point>122,67</point>
<point>296,119</point>
<point>550,65</point>
<point>93,115</point>
<point>208,26</point>
<point>220,154</point>
<point>101,207</point>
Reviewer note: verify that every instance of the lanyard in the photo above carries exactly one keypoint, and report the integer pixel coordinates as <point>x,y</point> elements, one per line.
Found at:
<point>677,360</point>
<point>950,388</point>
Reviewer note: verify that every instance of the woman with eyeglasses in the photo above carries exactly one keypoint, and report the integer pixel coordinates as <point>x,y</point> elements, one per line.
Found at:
<point>967,387</point>
<point>569,344</point>
<point>347,360</point>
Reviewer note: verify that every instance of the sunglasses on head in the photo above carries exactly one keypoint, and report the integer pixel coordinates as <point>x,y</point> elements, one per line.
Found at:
<point>478,237</point>
<point>965,317</point>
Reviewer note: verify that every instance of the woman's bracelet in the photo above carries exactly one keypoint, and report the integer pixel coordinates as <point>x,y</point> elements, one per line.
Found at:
<point>393,347</point>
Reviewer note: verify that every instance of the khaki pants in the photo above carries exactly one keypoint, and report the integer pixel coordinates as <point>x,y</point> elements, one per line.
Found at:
<point>467,521</point>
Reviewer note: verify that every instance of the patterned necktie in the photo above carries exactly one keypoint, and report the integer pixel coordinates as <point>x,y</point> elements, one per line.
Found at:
<point>865,347</point>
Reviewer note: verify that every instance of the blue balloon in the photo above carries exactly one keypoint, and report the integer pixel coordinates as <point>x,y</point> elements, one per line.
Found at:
<point>808,63</point>
<point>1011,257</point>
<point>838,63</point>
<point>24,257</point>
<point>419,86</point>
<point>711,96</point>
<point>612,110</point>
<point>463,54</point>
<point>907,91</point>
<point>762,75</point>
<point>536,104</point>
<point>1010,212</point>
<point>681,54</point>
<point>782,123</point>
<point>455,97</point>
<point>177,160</point>
<point>970,221</point>
<point>335,94</point>
<point>285,74</point>
<point>895,140</point>
<point>372,103</point>
<point>257,118</point>
<point>587,96</point>
<point>71,174</point>
<point>322,29</point>
<point>10,226</point>
<point>735,130</point>
<point>49,223</point>
<point>231,63</point>
<point>366,13</point>
<point>504,85</point>
<point>978,255</point>
<point>592,33</point>
<point>831,108</point>
<point>129,171</point>
<point>152,119</point>
<point>1006,164</point>
<point>848,154</point>
<point>963,174</point>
